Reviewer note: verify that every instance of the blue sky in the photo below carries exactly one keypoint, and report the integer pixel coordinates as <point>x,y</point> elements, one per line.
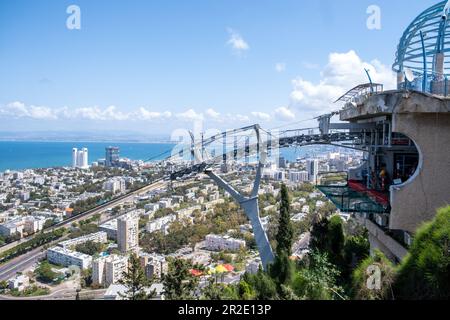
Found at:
<point>153,66</point>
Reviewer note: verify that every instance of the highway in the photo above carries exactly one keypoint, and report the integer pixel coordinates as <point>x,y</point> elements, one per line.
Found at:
<point>10,268</point>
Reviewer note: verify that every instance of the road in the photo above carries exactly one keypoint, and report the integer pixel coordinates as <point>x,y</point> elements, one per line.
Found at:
<point>10,268</point>
<point>63,294</point>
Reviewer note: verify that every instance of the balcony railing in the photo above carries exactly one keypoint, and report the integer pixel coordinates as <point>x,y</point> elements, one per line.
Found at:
<point>437,84</point>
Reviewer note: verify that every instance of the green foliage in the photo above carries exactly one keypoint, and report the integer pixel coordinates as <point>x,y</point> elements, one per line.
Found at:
<point>245,291</point>
<point>282,270</point>
<point>31,291</point>
<point>178,283</point>
<point>37,241</point>
<point>3,285</point>
<point>285,232</point>
<point>263,286</point>
<point>218,291</point>
<point>44,273</point>
<point>135,280</point>
<point>317,280</point>
<point>84,229</point>
<point>425,272</point>
<point>90,248</point>
<point>364,285</point>
<point>327,236</point>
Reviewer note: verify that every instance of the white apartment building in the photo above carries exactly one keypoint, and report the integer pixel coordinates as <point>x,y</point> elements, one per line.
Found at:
<point>165,203</point>
<point>100,237</point>
<point>19,282</point>
<point>160,224</point>
<point>65,257</point>
<point>128,232</point>
<point>115,185</point>
<point>215,242</point>
<point>214,196</point>
<point>109,270</point>
<point>154,265</point>
<point>80,158</point>
<point>12,227</point>
<point>298,176</point>
<point>110,228</point>
<point>151,207</point>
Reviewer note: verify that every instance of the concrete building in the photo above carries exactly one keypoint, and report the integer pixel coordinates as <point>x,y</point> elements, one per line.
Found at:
<point>65,257</point>
<point>115,185</point>
<point>110,228</point>
<point>160,224</point>
<point>154,265</point>
<point>109,270</point>
<point>216,243</point>
<point>298,176</point>
<point>99,237</point>
<point>313,169</point>
<point>405,134</point>
<point>20,282</point>
<point>80,158</point>
<point>112,157</point>
<point>128,232</point>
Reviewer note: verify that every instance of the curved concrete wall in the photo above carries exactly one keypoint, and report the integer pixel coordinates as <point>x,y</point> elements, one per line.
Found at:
<point>418,199</point>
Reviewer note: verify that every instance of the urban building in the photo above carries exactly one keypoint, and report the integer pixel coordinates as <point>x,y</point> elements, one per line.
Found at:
<point>115,185</point>
<point>112,157</point>
<point>99,237</point>
<point>109,270</point>
<point>80,158</point>
<point>128,232</point>
<point>216,242</point>
<point>20,282</point>
<point>313,169</point>
<point>65,257</point>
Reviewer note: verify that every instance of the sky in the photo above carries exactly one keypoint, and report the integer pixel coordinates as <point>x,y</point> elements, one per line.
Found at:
<point>152,66</point>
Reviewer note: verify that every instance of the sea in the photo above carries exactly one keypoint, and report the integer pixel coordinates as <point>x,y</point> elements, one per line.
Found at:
<point>21,155</point>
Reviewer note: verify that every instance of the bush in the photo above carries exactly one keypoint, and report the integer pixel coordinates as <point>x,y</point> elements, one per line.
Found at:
<point>364,288</point>
<point>425,272</point>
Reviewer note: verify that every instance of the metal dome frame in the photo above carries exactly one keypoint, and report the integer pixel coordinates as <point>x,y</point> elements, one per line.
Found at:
<point>425,37</point>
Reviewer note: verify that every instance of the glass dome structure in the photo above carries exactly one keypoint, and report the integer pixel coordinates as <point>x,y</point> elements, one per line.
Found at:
<point>423,54</point>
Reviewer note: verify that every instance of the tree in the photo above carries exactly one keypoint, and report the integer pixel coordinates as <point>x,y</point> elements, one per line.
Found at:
<point>285,231</point>
<point>90,247</point>
<point>136,282</point>
<point>45,273</point>
<point>366,285</point>
<point>262,284</point>
<point>327,236</point>
<point>425,272</point>
<point>178,283</point>
<point>218,291</point>
<point>282,271</point>
<point>317,279</point>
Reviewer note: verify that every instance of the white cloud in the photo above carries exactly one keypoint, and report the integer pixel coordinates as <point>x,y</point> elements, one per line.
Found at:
<point>20,110</point>
<point>211,113</point>
<point>237,42</point>
<point>284,114</point>
<point>145,114</point>
<point>280,67</point>
<point>261,116</point>
<point>190,115</point>
<point>342,72</point>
